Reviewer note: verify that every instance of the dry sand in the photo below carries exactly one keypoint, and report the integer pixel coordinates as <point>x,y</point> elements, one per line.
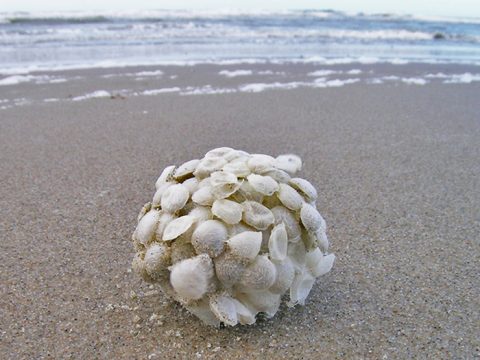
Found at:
<point>397,168</point>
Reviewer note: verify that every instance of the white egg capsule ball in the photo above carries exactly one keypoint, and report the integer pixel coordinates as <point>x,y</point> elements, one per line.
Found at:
<point>231,234</point>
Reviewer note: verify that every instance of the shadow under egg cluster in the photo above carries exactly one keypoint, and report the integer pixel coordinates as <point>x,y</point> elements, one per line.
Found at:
<point>229,234</point>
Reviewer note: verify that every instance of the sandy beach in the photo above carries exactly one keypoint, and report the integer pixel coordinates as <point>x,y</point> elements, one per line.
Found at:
<point>396,164</point>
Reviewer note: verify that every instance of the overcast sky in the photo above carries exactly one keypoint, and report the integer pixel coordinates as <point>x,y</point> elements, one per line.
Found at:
<point>416,7</point>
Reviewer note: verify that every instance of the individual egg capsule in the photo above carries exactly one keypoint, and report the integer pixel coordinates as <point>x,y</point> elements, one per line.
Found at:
<point>206,166</point>
<point>278,243</point>
<point>178,227</point>
<point>289,163</point>
<point>246,245</point>
<point>257,215</point>
<point>146,227</point>
<point>317,263</point>
<point>203,196</point>
<point>247,192</point>
<point>220,178</point>
<point>301,286</point>
<point>185,170</point>
<point>157,259</point>
<point>157,197</point>
<point>236,155</point>
<point>223,307</point>
<point>209,237</point>
<point>289,197</point>
<point>237,167</point>
<point>263,184</point>
<point>193,278</point>
<point>284,278</point>
<point>174,198</point>
<point>201,213</point>
<point>229,269</point>
<point>164,219</point>
<point>165,176</point>
<point>225,190</point>
<point>311,218</point>
<point>227,210</point>
<point>259,275</point>
<point>260,163</point>
<point>278,175</point>
<point>192,185</point>
<point>305,188</point>
<point>285,216</point>
<point>219,152</point>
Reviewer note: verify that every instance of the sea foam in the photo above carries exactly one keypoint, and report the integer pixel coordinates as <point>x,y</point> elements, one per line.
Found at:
<point>93,95</point>
<point>235,73</point>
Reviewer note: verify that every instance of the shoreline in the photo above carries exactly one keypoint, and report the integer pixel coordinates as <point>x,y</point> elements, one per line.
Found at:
<point>303,60</point>
<point>208,79</point>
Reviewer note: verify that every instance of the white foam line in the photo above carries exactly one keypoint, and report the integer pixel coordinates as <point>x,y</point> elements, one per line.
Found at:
<point>149,73</point>
<point>160,91</point>
<point>16,79</point>
<point>317,83</point>
<point>414,81</point>
<point>318,73</point>
<point>466,78</point>
<point>207,90</point>
<point>354,72</point>
<point>304,60</point>
<point>92,95</point>
<point>336,83</point>
<point>37,79</point>
<point>258,87</point>
<point>394,78</point>
<point>235,73</point>
<point>439,75</point>
<point>253,87</point>
<point>320,82</point>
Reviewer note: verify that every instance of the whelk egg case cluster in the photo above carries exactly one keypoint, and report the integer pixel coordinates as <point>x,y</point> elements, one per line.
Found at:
<point>228,235</point>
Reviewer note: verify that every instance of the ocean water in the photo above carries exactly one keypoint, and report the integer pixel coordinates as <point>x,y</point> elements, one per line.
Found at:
<point>46,41</point>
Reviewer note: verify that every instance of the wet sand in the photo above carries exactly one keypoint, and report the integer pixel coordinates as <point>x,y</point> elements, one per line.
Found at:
<point>398,173</point>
